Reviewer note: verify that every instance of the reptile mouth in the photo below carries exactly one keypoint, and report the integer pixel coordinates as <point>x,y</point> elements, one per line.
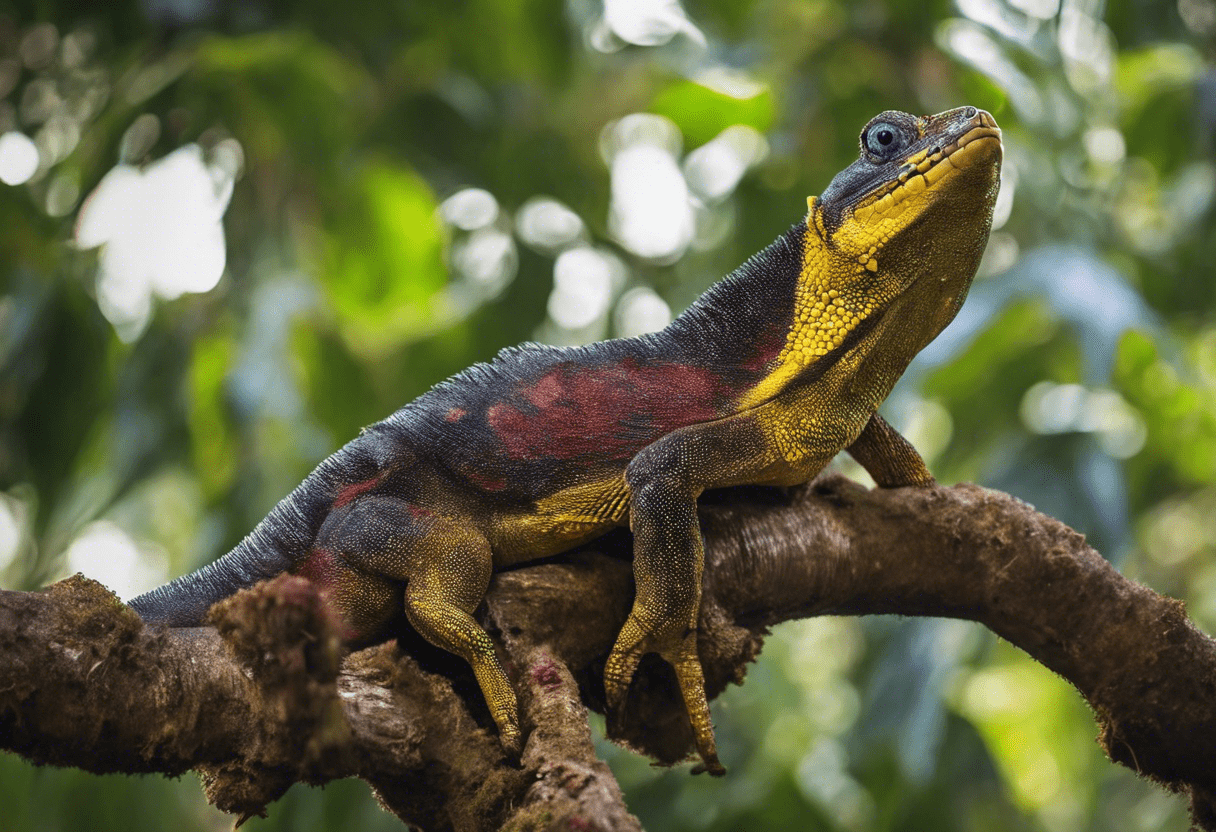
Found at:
<point>928,167</point>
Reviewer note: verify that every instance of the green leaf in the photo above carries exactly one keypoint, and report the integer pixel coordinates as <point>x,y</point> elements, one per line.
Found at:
<point>381,262</point>
<point>1136,352</point>
<point>702,113</point>
<point>213,442</point>
<point>282,94</point>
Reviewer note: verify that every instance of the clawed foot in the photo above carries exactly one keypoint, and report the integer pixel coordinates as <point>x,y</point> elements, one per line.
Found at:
<point>618,673</point>
<point>681,654</point>
<point>512,741</point>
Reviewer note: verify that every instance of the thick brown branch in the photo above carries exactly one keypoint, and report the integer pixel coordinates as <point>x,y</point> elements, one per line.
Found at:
<point>83,683</point>
<point>968,552</point>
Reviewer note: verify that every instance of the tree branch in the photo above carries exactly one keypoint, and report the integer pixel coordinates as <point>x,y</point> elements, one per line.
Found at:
<point>265,699</point>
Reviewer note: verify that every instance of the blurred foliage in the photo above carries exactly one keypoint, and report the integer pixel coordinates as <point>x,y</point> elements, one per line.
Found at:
<point>360,269</point>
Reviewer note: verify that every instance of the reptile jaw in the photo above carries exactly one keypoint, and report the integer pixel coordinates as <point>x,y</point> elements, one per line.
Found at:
<point>928,167</point>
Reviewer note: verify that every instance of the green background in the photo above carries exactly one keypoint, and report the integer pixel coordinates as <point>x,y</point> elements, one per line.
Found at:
<point>1080,376</point>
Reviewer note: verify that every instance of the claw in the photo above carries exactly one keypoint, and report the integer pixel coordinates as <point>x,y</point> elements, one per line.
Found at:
<point>511,740</point>
<point>713,768</point>
<point>618,673</point>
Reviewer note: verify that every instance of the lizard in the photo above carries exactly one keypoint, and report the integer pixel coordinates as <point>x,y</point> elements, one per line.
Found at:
<point>761,381</point>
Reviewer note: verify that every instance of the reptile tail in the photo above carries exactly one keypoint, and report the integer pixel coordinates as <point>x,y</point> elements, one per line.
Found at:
<point>184,601</point>
<point>277,544</point>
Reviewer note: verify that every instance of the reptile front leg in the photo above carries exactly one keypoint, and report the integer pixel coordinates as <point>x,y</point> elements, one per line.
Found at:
<point>888,457</point>
<point>664,481</point>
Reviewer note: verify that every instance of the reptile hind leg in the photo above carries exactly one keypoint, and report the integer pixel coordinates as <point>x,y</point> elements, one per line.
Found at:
<point>445,585</point>
<point>445,566</point>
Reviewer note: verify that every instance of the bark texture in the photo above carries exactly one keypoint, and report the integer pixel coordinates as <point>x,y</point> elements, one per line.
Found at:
<point>266,697</point>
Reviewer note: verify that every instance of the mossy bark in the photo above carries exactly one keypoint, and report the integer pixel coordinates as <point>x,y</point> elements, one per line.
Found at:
<point>266,698</point>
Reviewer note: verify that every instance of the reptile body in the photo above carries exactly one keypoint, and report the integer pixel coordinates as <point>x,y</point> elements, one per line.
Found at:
<point>763,380</point>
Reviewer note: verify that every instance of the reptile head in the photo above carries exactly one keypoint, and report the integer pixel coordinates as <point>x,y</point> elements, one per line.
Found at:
<point>920,181</point>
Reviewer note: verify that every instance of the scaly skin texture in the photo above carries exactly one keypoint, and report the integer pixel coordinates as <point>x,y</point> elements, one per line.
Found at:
<point>768,376</point>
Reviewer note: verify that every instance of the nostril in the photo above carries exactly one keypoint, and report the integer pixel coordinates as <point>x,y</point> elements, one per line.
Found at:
<point>970,112</point>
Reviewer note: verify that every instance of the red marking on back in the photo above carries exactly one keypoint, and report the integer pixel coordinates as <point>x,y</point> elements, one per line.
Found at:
<point>609,411</point>
<point>545,392</point>
<point>455,414</point>
<point>350,492</point>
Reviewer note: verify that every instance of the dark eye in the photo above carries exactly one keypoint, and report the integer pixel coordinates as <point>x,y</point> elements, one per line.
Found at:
<point>882,139</point>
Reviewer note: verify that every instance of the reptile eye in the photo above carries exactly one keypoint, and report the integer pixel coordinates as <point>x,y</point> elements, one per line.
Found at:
<point>882,139</point>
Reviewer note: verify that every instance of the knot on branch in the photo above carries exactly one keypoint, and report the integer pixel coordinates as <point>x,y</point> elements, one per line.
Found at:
<point>98,619</point>
<point>285,634</point>
<point>287,640</point>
